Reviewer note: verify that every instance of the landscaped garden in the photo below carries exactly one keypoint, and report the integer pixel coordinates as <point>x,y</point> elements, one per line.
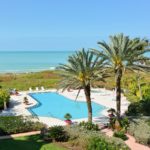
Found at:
<point>122,59</point>
<point>28,143</point>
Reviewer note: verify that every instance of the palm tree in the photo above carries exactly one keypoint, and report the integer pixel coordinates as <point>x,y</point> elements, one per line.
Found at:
<point>81,72</point>
<point>120,54</point>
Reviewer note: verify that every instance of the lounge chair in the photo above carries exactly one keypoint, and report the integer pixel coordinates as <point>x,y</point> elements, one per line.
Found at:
<point>30,89</point>
<point>37,89</point>
<point>42,88</point>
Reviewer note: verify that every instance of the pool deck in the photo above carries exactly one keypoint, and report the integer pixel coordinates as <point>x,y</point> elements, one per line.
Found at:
<point>100,96</point>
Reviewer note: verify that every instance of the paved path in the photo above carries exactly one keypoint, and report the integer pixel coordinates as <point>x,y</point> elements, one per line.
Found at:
<point>131,142</point>
<point>19,135</point>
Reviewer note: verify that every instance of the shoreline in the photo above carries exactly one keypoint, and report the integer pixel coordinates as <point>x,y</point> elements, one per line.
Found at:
<point>28,72</point>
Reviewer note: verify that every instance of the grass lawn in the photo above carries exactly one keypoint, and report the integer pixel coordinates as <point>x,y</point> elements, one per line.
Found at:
<point>28,143</point>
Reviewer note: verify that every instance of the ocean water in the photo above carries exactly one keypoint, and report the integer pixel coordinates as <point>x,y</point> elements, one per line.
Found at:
<point>31,61</point>
<point>54,105</point>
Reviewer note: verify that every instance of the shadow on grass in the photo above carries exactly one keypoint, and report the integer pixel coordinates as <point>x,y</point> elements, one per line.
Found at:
<point>27,143</point>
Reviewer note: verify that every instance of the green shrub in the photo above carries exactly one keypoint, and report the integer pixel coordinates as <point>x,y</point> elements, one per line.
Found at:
<point>97,143</point>
<point>146,91</point>
<point>57,133</point>
<point>80,137</point>
<point>17,124</point>
<point>139,108</point>
<point>4,98</point>
<point>89,126</point>
<point>120,134</point>
<point>140,129</point>
<point>67,116</point>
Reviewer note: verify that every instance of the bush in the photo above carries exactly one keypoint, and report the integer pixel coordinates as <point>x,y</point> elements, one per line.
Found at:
<point>120,134</point>
<point>17,124</point>
<point>57,133</point>
<point>140,129</point>
<point>139,108</point>
<point>67,116</point>
<point>89,126</point>
<point>97,143</point>
<point>4,98</point>
<point>79,137</point>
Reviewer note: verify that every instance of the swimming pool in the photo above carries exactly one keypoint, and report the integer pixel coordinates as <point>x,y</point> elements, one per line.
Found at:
<point>52,104</point>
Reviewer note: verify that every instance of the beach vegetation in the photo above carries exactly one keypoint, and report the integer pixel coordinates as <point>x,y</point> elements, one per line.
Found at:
<point>121,54</point>
<point>81,72</point>
<point>23,81</point>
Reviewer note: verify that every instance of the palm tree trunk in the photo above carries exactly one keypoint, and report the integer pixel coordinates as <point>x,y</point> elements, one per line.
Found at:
<point>139,85</point>
<point>118,92</point>
<point>87,91</point>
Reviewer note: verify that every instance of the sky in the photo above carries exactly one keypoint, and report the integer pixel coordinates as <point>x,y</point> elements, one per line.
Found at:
<point>59,25</point>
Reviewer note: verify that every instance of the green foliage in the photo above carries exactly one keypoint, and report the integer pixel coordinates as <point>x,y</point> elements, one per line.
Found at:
<point>124,121</point>
<point>67,116</point>
<point>139,108</point>
<point>57,133</point>
<point>33,142</point>
<point>4,97</point>
<point>80,137</point>
<point>82,70</point>
<point>140,129</point>
<point>133,90</point>
<point>146,91</point>
<point>48,79</point>
<point>97,143</point>
<point>17,124</point>
<point>89,126</point>
<point>120,134</point>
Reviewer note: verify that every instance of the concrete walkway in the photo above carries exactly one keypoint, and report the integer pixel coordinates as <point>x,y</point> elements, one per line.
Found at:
<point>131,142</point>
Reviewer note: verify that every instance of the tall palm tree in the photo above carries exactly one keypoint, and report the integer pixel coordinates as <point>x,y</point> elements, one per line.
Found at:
<point>123,53</point>
<point>81,71</point>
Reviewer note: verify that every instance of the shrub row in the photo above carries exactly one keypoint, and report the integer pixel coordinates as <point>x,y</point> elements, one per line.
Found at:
<point>88,139</point>
<point>17,124</point>
<point>140,129</point>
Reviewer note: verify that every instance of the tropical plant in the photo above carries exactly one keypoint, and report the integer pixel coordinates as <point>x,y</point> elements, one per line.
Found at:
<point>57,133</point>
<point>4,98</point>
<point>120,134</point>
<point>89,126</point>
<point>123,53</point>
<point>81,72</point>
<point>67,116</point>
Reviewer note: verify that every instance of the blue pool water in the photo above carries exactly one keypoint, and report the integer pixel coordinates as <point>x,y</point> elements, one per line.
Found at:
<point>54,105</point>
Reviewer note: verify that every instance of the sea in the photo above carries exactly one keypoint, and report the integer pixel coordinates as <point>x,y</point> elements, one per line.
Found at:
<point>31,61</point>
